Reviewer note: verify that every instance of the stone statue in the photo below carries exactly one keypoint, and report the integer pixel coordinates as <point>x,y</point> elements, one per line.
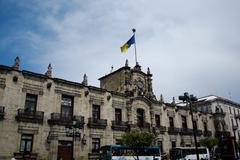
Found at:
<point>49,71</point>
<point>16,63</point>
<point>85,80</point>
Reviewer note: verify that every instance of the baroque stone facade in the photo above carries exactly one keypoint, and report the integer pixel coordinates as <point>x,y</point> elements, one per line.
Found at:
<point>54,118</point>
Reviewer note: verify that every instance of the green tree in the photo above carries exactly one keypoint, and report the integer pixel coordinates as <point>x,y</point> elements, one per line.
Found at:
<point>209,142</point>
<point>137,139</point>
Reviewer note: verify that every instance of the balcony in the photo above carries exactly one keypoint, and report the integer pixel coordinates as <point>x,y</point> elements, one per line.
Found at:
<point>2,112</point>
<point>145,126</point>
<point>29,116</point>
<point>161,129</point>
<point>235,127</point>
<point>237,116</point>
<point>63,120</point>
<point>199,132</point>
<point>207,133</point>
<point>119,126</point>
<point>97,123</point>
<point>173,130</point>
<point>222,134</point>
<point>186,131</point>
<point>19,155</point>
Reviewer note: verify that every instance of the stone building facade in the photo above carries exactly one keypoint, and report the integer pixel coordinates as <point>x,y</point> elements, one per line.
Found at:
<point>54,118</point>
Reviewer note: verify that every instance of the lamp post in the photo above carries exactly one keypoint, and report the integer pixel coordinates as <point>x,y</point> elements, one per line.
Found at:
<point>74,130</point>
<point>189,99</point>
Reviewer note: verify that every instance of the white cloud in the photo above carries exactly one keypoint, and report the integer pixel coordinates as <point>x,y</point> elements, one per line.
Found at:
<point>188,45</point>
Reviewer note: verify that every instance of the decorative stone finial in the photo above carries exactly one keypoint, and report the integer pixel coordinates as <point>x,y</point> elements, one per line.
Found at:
<point>16,63</point>
<point>148,71</point>
<point>137,67</point>
<point>126,63</point>
<point>49,71</point>
<point>111,69</point>
<point>173,101</point>
<point>85,80</point>
<point>161,99</point>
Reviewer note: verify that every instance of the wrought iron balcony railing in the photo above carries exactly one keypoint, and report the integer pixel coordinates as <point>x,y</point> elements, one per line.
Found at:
<point>173,130</point>
<point>61,119</point>
<point>222,134</point>
<point>235,127</point>
<point>186,131</point>
<point>97,123</point>
<point>29,116</point>
<point>2,112</point>
<point>199,132</point>
<point>19,155</point>
<point>207,133</point>
<point>120,126</point>
<point>160,129</point>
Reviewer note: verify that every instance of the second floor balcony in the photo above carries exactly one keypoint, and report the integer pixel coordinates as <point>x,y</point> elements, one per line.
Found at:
<point>199,132</point>
<point>120,126</point>
<point>207,133</point>
<point>222,134</point>
<point>186,131</point>
<point>24,115</point>
<point>60,119</point>
<point>160,129</point>
<point>97,123</point>
<point>2,112</point>
<point>173,130</point>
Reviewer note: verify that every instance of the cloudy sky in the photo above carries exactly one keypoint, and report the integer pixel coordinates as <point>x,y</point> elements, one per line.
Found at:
<point>189,45</point>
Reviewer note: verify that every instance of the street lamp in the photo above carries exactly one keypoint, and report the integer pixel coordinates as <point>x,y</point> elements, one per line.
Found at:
<point>74,130</point>
<point>189,99</point>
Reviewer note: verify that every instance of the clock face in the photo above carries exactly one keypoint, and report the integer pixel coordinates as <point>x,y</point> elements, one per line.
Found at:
<point>139,84</point>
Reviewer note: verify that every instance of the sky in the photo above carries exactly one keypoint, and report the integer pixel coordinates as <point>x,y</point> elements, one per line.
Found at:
<point>189,45</point>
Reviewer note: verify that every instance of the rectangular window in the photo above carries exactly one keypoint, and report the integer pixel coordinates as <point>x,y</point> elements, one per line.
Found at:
<point>31,102</point>
<point>157,120</point>
<point>184,122</point>
<point>95,144</point>
<point>96,112</point>
<point>67,106</point>
<point>118,115</point>
<point>140,117</point>
<point>205,126</point>
<point>159,144</point>
<point>26,143</point>
<point>195,124</point>
<point>230,110</point>
<point>171,122</point>
<point>173,144</point>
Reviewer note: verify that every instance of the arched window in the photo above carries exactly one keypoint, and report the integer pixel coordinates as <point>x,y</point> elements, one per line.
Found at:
<point>140,117</point>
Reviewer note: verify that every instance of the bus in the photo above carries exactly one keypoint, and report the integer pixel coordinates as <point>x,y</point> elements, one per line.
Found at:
<point>118,152</point>
<point>189,153</point>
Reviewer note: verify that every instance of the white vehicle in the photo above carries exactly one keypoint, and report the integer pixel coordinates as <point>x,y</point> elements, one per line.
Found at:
<point>118,152</point>
<point>189,153</point>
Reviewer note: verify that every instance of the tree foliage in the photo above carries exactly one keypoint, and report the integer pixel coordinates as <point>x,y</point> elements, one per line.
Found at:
<point>138,139</point>
<point>209,142</point>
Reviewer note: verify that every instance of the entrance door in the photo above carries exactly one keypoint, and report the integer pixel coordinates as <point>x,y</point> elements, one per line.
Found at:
<point>65,150</point>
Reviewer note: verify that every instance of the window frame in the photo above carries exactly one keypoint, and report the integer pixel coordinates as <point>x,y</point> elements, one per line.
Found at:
<point>24,142</point>
<point>96,144</point>
<point>118,115</point>
<point>96,112</point>
<point>68,108</point>
<point>31,102</point>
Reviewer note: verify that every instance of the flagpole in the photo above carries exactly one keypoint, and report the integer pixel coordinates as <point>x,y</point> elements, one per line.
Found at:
<point>134,30</point>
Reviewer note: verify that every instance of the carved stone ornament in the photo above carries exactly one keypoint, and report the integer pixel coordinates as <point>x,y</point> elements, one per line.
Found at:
<point>16,63</point>
<point>49,71</point>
